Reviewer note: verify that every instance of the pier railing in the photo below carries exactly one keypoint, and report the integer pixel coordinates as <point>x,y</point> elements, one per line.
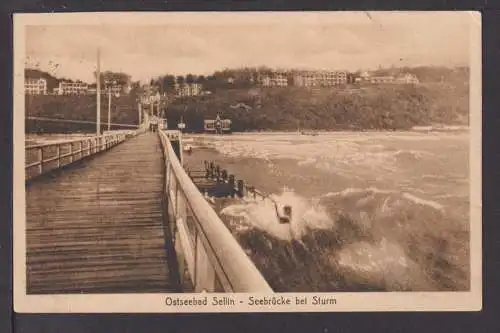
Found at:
<point>46,157</point>
<point>214,259</point>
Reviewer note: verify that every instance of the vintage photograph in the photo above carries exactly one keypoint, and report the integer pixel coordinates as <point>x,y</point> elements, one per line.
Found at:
<point>174,155</point>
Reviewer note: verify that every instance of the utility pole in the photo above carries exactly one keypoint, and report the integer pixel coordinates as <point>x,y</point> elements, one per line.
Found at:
<point>109,109</point>
<point>98,77</point>
<point>139,106</point>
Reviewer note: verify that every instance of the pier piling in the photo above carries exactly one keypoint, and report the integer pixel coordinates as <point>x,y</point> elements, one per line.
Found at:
<point>241,188</point>
<point>231,185</point>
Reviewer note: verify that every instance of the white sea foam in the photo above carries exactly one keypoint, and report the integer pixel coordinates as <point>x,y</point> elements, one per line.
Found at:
<point>343,153</point>
<point>408,196</point>
<point>350,191</point>
<point>261,214</point>
<point>385,264</point>
<point>425,202</point>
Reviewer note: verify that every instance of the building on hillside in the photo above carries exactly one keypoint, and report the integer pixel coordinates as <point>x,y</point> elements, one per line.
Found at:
<point>188,89</point>
<point>35,86</point>
<point>115,89</point>
<point>73,88</point>
<point>305,79</point>
<point>361,77</point>
<point>407,78</point>
<point>274,79</point>
<point>331,78</point>
<point>126,89</point>
<point>382,79</point>
<point>365,76</point>
<point>320,78</point>
<point>150,98</point>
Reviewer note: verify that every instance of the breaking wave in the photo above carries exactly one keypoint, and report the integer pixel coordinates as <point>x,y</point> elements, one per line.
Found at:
<point>353,240</point>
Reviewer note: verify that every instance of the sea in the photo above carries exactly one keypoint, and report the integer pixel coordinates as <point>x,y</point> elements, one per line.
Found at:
<point>371,211</point>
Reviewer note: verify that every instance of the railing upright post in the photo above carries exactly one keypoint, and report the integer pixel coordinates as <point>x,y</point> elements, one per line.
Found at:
<point>58,155</point>
<point>204,279</point>
<point>180,214</point>
<point>180,210</point>
<point>71,153</point>
<point>80,148</point>
<point>167,175</point>
<point>40,158</point>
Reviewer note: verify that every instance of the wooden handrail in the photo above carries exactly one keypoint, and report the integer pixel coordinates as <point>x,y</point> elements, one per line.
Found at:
<point>228,260</point>
<point>93,145</point>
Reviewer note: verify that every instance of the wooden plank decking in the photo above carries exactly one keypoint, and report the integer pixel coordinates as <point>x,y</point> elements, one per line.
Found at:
<point>97,227</point>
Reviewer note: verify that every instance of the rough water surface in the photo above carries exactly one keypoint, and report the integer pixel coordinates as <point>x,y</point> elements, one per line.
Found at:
<point>371,211</point>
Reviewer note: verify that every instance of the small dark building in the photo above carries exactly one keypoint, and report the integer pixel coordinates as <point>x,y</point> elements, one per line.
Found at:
<point>218,125</point>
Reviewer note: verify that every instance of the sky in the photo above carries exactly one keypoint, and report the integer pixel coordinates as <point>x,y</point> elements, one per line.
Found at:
<point>149,45</point>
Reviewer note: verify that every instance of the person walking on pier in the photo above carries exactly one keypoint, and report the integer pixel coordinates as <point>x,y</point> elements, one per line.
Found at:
<point>153,124</point>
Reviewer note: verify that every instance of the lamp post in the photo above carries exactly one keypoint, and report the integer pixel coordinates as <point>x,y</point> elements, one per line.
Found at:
<point>139,110</point>
<point>98,95</point>
<point>109,87</point>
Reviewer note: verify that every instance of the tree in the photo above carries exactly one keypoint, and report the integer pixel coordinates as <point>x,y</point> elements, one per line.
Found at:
<point>136,89</point>
<point>168,83</point>
<point>210,83</point>
<point>118,77</point>
<point>201,79</point>
<point>190,79</point>
<point>180,80</point>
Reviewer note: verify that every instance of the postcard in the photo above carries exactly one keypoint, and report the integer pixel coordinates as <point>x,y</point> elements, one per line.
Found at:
<point>247,162</point>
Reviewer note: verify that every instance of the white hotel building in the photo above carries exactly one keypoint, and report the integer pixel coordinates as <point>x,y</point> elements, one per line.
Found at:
<point>73,88</point>
<point>275,79</point>
<point>35,87</point>
<point>188,89</point>
<point>320,78</point>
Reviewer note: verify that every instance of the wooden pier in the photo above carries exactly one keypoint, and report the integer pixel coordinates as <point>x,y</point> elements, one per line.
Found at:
<point>99,228</point>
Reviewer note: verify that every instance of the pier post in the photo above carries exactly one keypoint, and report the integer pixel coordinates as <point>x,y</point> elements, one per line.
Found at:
<point>217,173</point>
<point>212,169</point>
<point>252,189</point>
<point>241,188</point>
<point>207,169</point>
<point>231,185</point>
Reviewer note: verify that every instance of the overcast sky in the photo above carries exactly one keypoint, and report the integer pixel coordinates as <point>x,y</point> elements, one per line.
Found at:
<point>200,43</point>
